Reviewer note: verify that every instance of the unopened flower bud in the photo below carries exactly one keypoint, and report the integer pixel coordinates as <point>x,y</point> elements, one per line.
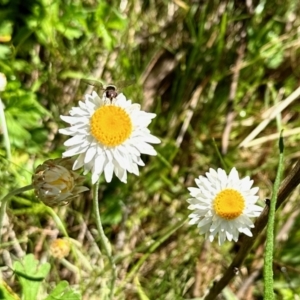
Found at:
<point>60,248</point>
<point>55,183</point>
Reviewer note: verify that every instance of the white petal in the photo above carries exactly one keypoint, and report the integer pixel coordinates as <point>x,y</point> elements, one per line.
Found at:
<point>90,154</point>
<point>75,140</point>
<point>108,171</point>
<point>79,162</point>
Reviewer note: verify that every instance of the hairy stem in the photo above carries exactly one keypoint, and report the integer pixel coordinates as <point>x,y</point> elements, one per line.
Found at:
<point>104,240</point>
<point>268,265</point>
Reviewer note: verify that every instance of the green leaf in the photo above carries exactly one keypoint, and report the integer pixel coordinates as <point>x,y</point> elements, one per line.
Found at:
<point>64,292</point>
<point>30,274</point>
<point>23,115</point>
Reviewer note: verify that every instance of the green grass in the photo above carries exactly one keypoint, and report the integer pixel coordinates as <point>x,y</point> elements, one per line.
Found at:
<point>195,65</point>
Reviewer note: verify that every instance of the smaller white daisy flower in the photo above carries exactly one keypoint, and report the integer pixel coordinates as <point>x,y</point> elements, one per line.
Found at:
<point>223,205</point>
<point>109,135</point>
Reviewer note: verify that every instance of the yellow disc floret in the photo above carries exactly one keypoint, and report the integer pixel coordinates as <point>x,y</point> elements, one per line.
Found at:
<point>229,204</point>
<point>111,125</point>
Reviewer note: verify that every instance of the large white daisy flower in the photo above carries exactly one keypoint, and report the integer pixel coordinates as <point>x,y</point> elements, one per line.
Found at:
<point>109,136</point>
<point>223,204</point>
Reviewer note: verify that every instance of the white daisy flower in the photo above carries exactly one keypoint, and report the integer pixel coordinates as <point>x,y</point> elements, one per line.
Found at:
<point>109,136</point>
<point>223,205</point>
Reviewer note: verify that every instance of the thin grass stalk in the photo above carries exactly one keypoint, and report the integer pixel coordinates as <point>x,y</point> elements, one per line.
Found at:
<point>268,265</point>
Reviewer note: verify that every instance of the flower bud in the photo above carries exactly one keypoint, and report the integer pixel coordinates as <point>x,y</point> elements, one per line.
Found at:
<point>55,183</point>
<point>60,248</point>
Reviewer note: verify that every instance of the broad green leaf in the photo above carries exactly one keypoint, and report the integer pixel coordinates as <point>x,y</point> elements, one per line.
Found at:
<point>30,274</point>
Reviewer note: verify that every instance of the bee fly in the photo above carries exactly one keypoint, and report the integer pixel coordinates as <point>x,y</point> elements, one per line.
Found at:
<point>110,90</point>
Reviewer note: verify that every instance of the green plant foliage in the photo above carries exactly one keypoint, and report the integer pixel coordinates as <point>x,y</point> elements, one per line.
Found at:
<point>63,291</point>
<point>23,115</point>
<point>30,275</point>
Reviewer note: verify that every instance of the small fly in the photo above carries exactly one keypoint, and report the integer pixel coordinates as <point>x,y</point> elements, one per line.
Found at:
<point>110,90</point>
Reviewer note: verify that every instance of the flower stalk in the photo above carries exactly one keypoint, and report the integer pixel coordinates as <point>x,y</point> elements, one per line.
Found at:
<point>5,200</point>
<point>103,239</point>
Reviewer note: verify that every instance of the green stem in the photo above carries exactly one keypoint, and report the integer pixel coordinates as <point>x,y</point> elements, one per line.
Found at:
<point>268,265</point>
<point>56,219</point>
<point>104,240</point>
<point>5,200</point>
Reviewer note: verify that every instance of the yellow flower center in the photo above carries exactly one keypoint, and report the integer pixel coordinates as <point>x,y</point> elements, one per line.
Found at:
<point>229,204</point>
<point>111,125</point>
